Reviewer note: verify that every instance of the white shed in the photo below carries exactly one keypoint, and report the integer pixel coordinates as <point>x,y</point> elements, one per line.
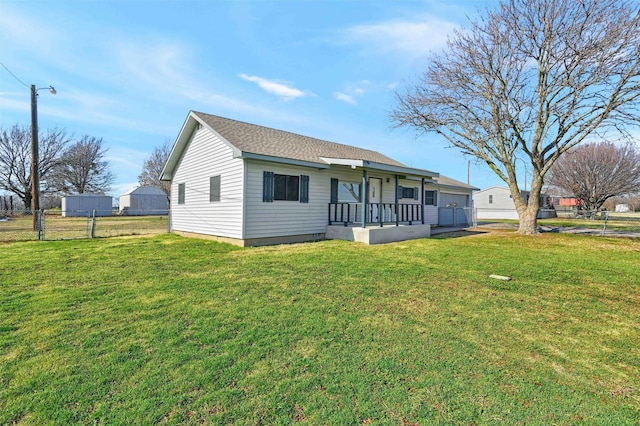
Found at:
<point>84,205</point>
<point>622,208</point>
<point>144,200</point>
<point>496,202</point>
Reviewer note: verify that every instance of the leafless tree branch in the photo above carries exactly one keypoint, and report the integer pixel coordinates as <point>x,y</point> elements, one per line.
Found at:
<point>531,79</point>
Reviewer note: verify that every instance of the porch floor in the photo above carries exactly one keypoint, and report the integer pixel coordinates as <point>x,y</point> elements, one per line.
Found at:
<point>376,234</point>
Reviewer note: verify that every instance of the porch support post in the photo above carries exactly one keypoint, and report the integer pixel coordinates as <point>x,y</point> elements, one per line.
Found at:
<point>421,198</point>
<point>396,201</point>
<point>381,205</point>
<point>365,197</point>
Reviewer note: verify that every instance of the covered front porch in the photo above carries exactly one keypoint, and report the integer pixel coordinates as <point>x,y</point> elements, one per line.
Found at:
<point>370,218</point>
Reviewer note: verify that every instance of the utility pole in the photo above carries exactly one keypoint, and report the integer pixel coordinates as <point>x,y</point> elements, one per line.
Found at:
<point>35,178</point>
<point>35,161</point>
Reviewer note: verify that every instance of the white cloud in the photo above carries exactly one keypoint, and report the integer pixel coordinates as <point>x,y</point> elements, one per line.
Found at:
<point>279,89</point>
<point>412,38</point>
<point>19,31</point>
<point>352,90</point>
<point>344,98</point>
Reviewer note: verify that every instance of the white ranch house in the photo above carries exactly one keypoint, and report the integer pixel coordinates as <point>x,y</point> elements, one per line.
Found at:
<point>253,185</point>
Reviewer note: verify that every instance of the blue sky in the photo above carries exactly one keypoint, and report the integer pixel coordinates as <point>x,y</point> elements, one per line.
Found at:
<point>130,71</point>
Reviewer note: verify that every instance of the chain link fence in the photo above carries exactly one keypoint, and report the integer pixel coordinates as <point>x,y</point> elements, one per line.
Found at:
<point>570,220</point>
<point>19,225</point>
<point>613,223</point>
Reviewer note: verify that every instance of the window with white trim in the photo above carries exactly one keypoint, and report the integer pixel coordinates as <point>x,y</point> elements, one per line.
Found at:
<point>214,188</point>
<point>181,191</point>
<point>430,198</point>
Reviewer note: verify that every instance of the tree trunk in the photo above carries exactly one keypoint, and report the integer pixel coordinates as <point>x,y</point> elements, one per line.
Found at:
<point>528,221</point>
<point>528,210</point>
<point>27,201</point>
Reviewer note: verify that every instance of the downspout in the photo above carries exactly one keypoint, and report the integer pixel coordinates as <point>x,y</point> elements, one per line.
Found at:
<point>365,197</point>
<point>421,198</point>
<point>396,201</point>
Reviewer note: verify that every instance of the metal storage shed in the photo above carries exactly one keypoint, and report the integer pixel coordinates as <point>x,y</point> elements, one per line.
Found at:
<point>85,205</point>
<point>144,200</point>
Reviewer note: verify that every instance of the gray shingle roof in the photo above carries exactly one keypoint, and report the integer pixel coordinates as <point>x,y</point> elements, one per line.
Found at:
<point>251,138</point>
<point>447,181</point>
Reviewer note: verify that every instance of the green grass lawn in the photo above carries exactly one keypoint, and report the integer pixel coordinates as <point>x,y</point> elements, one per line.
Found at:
<point>170,330</point>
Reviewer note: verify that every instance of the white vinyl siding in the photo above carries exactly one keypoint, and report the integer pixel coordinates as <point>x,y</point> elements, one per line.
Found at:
<point>207,156</point>
<point>282,218</point>
<point>285,218</point>
<point>430,215</point>
<point>494,203</point>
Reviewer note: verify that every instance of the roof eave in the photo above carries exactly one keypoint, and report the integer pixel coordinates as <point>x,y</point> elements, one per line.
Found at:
<point>189,126</point>
<point>281,160</point>
<point>409,171</point>
<point>467,188</point>
<point>187,129</point>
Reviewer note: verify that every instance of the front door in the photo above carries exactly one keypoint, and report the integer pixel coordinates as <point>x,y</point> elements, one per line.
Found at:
<point>375,197</point>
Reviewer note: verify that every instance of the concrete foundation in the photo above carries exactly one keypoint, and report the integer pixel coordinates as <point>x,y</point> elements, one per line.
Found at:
<point>376,234</point>
<point>255,242</point>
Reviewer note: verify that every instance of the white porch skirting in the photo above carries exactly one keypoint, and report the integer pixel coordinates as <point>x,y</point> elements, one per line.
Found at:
<point>376,234</point>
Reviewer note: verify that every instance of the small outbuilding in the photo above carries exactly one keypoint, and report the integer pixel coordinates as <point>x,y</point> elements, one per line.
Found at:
<point>84,205</point>
<point>496,202</point>
<point>144,200</point>
<point>622,208</point>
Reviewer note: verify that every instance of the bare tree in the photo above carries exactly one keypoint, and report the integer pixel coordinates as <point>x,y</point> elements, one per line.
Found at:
<point>152,168</point>
<point>83,170</point>
<point>530,81</point>
<point>15,158</point>
<point>595,172</point>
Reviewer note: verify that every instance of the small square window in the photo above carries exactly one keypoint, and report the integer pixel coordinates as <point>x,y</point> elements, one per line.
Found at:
<point>286,188</point>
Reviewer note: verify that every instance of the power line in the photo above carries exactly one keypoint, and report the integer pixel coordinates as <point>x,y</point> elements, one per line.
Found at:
<point>13,75</point>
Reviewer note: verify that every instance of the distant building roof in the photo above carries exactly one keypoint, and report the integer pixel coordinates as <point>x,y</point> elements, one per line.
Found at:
<point>145,190</point>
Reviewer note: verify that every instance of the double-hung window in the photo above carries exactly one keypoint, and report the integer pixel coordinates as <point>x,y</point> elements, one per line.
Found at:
<point>431,198</point>
<point>286,188</point>
<point>345,192</point>
<point>404,192</point>
<point>279,187</point>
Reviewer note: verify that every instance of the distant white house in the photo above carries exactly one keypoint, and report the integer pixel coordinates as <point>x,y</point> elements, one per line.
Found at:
<point>253,185</point>
<point>84,205</point>
<point>496,202</point>
<point>144,200</point>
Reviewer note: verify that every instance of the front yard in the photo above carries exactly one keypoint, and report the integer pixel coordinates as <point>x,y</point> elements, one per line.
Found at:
<point>169,330</point>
